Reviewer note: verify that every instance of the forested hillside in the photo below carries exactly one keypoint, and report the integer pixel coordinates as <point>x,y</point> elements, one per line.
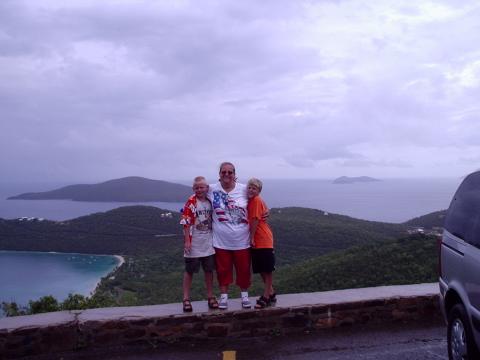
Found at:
<point>302,233</point>
<point>157,278</point>
<point>315,251</point>
<point>125,230</point>
<point>429,221</point>
<point>408,260</point>
<point>299,233</point>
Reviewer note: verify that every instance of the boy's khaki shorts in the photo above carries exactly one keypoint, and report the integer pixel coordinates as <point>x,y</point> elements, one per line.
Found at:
<point>192,265</point>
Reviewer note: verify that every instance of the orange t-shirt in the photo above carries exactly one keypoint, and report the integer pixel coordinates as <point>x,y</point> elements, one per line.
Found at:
<point>263,235</point>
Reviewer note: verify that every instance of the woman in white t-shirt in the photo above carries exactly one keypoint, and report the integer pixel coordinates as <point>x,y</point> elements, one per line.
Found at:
<point>231,233</point>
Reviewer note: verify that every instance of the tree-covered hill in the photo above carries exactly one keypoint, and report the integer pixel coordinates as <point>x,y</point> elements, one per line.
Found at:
<point>299,233</point>
<point>157,278</point>
<point>315,251</point>
<point>408,260</point>
<point>428,221</point>
<point>125,230</point>
<point>128,189</point>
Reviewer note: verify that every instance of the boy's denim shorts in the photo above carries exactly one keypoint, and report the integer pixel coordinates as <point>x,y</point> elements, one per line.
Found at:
<point>192,265</point>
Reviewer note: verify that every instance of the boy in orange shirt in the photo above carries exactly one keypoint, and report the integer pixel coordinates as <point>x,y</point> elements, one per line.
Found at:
<point>261,241</point>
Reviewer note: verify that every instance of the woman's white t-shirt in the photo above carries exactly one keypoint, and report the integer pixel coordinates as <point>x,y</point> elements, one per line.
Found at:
<point>230,219</point>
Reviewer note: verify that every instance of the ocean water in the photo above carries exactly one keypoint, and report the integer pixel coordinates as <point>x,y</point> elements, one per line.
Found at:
<point>28,276</point>
<point>392,200</point>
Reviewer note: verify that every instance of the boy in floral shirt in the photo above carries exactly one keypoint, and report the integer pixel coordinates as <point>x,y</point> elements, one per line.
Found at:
<point>198,243</point>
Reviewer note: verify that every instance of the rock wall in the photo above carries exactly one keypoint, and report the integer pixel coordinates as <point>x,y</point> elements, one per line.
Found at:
<point>97,328</point>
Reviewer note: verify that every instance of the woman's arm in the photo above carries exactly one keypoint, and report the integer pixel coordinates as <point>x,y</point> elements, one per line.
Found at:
<point>253,230</point>
<point>266,215</point>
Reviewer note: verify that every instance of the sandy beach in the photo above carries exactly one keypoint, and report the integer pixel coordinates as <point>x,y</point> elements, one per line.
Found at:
<point>121,261</point>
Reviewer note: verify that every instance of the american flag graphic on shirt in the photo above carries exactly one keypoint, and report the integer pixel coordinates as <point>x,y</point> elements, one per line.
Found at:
<point>226,209</point>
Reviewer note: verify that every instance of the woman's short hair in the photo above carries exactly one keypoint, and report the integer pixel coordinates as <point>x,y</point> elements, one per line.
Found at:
<point>255,182</point>
<point>226,163</point>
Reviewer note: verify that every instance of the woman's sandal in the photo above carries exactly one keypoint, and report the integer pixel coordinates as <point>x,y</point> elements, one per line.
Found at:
<point>262,302</point>
<point>273,298</point>
<point>212,303</point>
<point>187,305</point>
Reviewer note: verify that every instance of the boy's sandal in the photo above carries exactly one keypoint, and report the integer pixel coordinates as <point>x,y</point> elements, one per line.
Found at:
<point>262,302</point>
<point>187,305</point>
<point>212,303</point>
<point>273,298</point>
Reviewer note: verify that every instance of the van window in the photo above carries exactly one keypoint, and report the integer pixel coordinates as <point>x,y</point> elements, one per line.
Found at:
<point>473,237</point>
<point>463,217</point>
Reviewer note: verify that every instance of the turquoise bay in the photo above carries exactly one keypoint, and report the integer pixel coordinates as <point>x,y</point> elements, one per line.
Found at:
<point>28,276</point>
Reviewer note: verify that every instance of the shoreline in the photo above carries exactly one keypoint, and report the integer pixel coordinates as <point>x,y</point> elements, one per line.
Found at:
<point>62,253</point>
<point>93,289</point>
<point>113,263</point>
<point>121,261</point>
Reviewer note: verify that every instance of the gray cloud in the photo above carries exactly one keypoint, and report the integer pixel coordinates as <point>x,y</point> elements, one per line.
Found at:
<point>90,90</point>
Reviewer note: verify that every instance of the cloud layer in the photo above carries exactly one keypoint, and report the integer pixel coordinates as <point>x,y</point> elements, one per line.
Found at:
<point>94,90</point>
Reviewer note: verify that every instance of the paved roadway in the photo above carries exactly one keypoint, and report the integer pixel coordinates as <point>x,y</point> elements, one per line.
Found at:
<point>393,342</point>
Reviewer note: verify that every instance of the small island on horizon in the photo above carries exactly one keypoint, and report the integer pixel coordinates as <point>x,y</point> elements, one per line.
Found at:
<point>352,180</point>
<point>127,189</point>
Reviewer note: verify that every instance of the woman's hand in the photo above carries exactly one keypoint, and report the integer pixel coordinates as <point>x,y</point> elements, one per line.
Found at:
<point>266,215</point>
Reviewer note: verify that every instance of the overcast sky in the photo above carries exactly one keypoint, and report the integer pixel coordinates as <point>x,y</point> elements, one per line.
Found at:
<point>95,90</point>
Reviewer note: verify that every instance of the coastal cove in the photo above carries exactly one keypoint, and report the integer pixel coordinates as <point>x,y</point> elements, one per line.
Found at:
<point>26,275</point>
<point>317,251</point>
<point>151,239</point>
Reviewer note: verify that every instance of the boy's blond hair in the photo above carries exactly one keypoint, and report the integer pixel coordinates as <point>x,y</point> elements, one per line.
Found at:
<point>199,179</point>
<point>255,182</point>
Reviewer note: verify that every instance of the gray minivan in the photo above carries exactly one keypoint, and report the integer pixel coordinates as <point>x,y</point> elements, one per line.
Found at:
<point>460,270</point>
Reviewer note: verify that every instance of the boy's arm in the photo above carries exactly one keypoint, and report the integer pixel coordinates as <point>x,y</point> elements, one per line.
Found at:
<point>187,239</point>
<point>253,230</point>
<point>186,222</point>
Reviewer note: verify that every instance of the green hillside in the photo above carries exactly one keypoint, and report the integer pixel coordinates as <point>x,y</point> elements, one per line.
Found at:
<point>315,251</point>
<point>134,230</point>
<point>408,260</point>
<point>429,221</point>
<point>126,230</point>
<point>302,233</point>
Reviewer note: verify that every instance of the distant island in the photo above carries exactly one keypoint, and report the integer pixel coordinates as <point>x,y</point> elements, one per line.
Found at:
<point>127,189</point>
<point>351,180</point>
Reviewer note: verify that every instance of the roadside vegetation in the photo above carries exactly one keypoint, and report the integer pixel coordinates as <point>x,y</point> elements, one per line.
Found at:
<point>49,303</point>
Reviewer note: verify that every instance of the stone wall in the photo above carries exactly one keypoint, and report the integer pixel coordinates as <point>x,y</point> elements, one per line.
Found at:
<point>97,328</point>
